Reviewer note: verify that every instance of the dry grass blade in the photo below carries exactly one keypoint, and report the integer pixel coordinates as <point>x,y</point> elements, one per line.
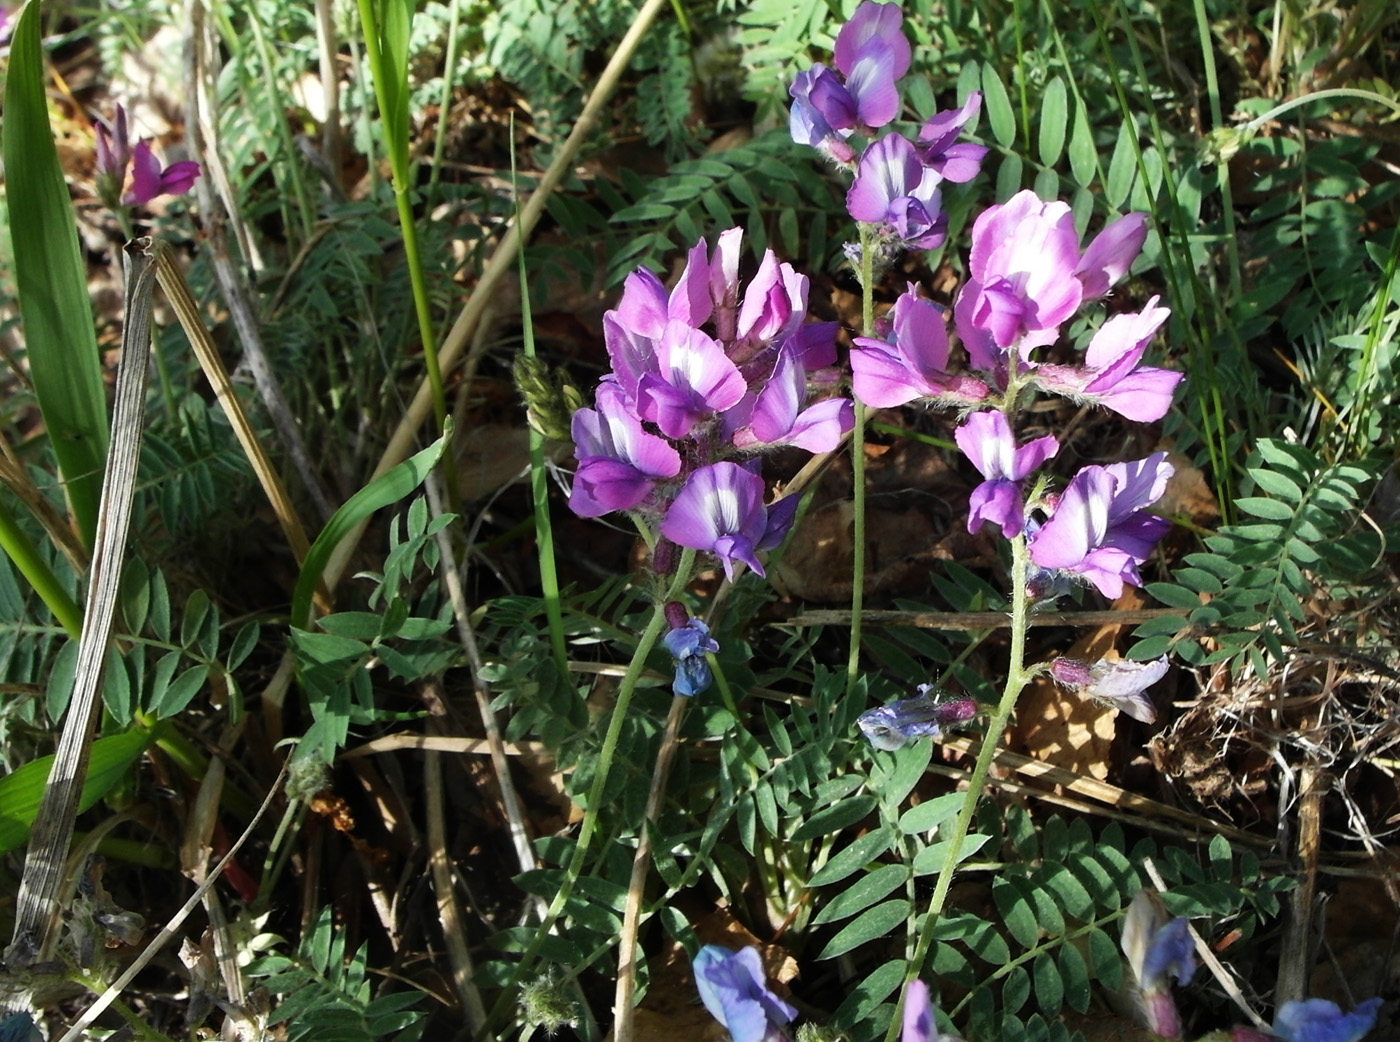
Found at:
<point>37,913</point>
<point>172,281</point>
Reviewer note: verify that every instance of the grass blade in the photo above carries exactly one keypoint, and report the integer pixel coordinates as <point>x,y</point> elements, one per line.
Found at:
<point>52,283</point>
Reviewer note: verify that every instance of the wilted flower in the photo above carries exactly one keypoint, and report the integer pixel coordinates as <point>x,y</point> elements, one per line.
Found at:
<point>1120,683</point>
<point>688,645</point>
<point>1099,529</point>
<point>910,360</point>
<point>1157,947</point>
<point>896,191</point>
<point>721,510</point>
<point>734,989</point>
<point>1111,375</point>
<point>894,726</point>
<point>1318,1020</point>
<point>986,439</point>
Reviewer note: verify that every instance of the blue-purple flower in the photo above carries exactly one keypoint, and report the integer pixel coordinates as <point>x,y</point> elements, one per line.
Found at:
<point>1120,683</point>
<point>1318,1020</point>
<point>893,726</point>
<point>619,462</point>
<point>735,990</point>
<point>896,191</point>
<point>720,510</point>
<point>694,379</point>
<point>688,645</point>
<point>1099,528</point>
<point>987,440</point>
<point>1157,947</point>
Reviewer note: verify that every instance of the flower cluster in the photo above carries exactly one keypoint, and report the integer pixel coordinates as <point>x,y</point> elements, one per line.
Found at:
<point>896,190</point>
<point>703,378</point>
<point>116,156</point>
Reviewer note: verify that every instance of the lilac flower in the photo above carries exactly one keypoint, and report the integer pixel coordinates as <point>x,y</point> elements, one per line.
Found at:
<point>895,190</point>
<point>1022,284</point>
<point>1108,258</point>
<point>735,990</point>
<point>1098,528</point>
<point>1157,947</point>
<point>918,1014</point>
<point>720,510</point>
<point>911,361</point>
<point>986,439</point>
<point>693,380</point>
<point>893,726</point>
<point>775,414</point>
<point>820,105</point>
<point>688,645</point>
<point>957,162</point>
<point>619,462</point>
<point>1120,683</point>
<point>774,307</point>
<point>1111,375</point>
<point>1317,1020</point>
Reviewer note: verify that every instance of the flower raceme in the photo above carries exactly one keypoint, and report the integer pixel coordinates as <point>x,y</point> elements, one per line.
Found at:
<point>704,375</point>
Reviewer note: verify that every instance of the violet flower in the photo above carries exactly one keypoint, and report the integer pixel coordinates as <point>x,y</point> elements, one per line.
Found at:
<point>619,462</point>
<point>893,726</point>
<point>918,1014</point>
<point>938,147</point>
<point>688,645</point>
<point>1120,683</point>
<point>115,155</point>
<point>911,361</point>
<point>1157,947</point>
<point>720,510</point>
<point>693,380</point>
<point>775,414</point>
<point>986,439</point>
<point>872,54</point>
<point>1111,375</point>
<point>1098,528</point>
<point>1110,255</point>
<point>896,191</point>
<point>1318,1020</point>
<point>735,990</point>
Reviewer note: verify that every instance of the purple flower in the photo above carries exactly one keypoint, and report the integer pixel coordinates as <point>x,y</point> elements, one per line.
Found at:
<point>1111,375</point>
<point>1108,258</point>
<point>1157,947</point>
<point>894,189</point>
<point>619,461</point>
<point>820,105</point>
<point>720,510</point>
<point>735,990</point>
<point>774,307</point>
<point>113,154</point>
<point>893,726</point>
<point>693,380</point>
<point>918,1014</point>
<point>688,645</point>
<point>149,179</point>
<point>937,148</point>
<point>911,361</point>
<point>1317,1020</point>
<point>775,414</point>
<point>1120,683</point>
<point>1023,284</point>
<point>1098,528</point>
<point>986,439</point>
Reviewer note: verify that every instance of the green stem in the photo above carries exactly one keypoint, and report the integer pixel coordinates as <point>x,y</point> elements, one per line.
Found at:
<point>1321,95</point>
<point>445,100</point>
<point>25,555</point>
<point>305,209</point>
<point>867,321</point>
<point>1223,168</point>
<point>589,826</point>
<point>1017,676</point>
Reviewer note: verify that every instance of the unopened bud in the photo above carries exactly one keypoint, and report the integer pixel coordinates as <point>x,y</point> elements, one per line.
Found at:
<point>551,399</point>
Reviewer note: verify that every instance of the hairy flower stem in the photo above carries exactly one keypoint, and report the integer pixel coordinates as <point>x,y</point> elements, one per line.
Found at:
<point>867,322</point>
<point>1017,676</point>
<point>589,826</point>
<point>632,914</point>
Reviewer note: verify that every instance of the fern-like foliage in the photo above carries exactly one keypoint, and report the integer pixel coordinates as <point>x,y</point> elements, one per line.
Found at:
<point>326,996</point>
<point>1249,590</point>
